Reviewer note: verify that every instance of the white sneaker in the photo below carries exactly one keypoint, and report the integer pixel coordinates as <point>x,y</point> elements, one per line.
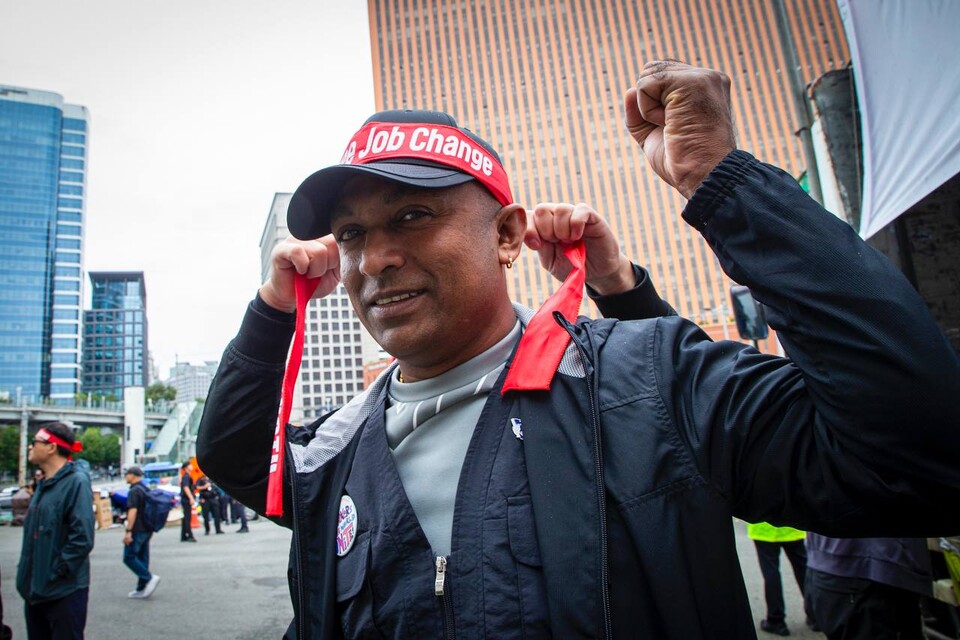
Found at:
<point>151,586</point>
<point>136,594</point>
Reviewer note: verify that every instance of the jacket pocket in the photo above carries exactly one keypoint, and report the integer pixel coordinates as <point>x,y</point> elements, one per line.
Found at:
<point>531,585</point>
<point>354,599</point>
<point>520,528</point>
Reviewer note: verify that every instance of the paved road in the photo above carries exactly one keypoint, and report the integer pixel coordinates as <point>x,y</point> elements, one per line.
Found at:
<point>227,586</point>
<point>234,586</point>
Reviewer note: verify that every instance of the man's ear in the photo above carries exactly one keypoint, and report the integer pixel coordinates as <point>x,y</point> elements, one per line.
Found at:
<point>511,225</point>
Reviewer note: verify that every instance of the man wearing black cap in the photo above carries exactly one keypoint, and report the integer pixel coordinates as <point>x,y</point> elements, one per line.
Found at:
<point>526,475</point>
<point>136,540</point>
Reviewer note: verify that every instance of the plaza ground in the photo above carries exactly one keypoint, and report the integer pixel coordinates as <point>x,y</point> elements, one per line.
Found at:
<point>234,586</point>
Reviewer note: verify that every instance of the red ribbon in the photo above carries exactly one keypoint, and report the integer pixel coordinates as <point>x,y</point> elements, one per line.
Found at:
<point>304,288</point>
<point>544,341</point>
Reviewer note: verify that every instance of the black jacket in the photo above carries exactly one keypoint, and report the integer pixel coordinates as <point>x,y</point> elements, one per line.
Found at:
<point>653,437</point>
<point>57,537</point>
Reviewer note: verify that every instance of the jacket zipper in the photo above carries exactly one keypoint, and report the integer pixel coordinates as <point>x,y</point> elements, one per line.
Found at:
<point>297,553</point>
<point>598,469</point>
<point>440,590</point>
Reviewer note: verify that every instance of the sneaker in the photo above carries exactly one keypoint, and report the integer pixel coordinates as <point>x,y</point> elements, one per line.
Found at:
<point>243,530</point>
<point>136,594</point>
<point>776,628</point>
<point>151,586</point>
<point>220,532</point>
<point>189,540</point>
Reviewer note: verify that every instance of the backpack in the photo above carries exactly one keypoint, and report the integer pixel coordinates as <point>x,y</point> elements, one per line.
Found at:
<point>156,505</point>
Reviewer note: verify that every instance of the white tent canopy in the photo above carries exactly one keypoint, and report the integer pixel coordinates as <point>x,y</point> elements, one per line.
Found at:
<point>906,62</point>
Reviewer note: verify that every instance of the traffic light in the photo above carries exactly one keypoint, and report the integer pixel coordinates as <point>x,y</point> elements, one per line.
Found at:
<point>751,320</point>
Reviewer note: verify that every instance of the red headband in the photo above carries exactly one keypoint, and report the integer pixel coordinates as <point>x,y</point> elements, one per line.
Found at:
<point>439,143</point>
<point>46,436</point>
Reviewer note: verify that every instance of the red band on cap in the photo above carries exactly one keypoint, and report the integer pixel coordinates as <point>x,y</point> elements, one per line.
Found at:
<point>442,144</point>
<point>46,436</point>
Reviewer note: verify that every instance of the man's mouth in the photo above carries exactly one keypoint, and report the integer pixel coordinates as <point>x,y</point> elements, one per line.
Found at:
<point>397,298</point>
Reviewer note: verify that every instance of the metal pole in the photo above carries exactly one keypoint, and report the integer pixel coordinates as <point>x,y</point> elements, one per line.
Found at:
<point>24,426</point>
<point>800,102</point>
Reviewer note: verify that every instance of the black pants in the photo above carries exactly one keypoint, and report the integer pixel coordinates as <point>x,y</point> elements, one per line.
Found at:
<point>185,531</point>
<point>768,554</point>
<point>211,507</point>
<point>859,609</point>
<point>62,619</point>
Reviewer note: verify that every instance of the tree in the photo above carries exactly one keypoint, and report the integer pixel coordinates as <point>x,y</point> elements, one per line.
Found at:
<point>9,448</point>
<point>159,391</point>
<point>99,449</point>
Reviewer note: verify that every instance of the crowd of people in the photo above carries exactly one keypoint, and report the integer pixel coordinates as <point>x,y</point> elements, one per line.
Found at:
<point>56,511</point>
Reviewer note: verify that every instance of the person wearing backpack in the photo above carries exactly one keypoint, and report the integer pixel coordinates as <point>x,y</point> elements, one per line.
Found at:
<point>136,541</point>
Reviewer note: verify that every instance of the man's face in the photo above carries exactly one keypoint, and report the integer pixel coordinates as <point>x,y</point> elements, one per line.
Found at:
<point>39,452</point>
<point>422,268</point>
<point>132,478</point>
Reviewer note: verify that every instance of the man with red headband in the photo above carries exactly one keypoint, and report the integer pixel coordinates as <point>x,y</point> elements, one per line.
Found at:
<point>533,475</point>
<point>54,571</point>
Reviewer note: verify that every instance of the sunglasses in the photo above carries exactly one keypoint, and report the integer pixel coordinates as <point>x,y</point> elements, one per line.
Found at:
<point>36,442</point>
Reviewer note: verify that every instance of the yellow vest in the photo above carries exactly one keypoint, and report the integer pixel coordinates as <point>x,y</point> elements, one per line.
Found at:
<point>768,533</point>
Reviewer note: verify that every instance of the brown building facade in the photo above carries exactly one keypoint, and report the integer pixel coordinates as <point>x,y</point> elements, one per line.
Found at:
<point>544,81</point>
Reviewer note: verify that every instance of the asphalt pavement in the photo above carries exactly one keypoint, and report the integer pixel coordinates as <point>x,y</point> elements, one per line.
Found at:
<point>234,586</point>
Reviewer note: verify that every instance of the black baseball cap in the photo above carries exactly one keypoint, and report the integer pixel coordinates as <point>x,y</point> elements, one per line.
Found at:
<point>308,215</point>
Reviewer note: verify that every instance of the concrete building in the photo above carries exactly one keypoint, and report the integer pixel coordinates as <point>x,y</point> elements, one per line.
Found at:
<point>192,381</point>
<point>43,169</point>
<point>115,334</point>
<point>544,82</point>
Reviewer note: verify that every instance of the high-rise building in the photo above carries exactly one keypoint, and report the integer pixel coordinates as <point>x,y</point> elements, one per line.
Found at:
<point>43,154</point>
<point>192,381</point>
<point>544,82</point>
<point>336,345</point>
<point>115,334</point>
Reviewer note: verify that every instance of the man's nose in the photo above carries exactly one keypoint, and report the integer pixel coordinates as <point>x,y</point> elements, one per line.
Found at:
<point>382,250</point>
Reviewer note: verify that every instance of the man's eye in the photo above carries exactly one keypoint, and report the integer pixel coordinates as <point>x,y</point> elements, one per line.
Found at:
<point>347,234</point>
<point>415,214</point>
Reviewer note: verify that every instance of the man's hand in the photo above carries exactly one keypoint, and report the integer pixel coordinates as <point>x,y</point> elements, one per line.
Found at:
<point>553,224</point>
<point>316,258</point>
<point>681,117</point>
<point>128,538</point>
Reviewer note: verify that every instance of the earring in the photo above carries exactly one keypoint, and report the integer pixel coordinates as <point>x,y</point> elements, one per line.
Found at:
<point>509,263</point>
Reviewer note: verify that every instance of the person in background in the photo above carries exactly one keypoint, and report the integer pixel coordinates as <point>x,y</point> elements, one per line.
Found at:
<point>769,542</point>
<point>188,501</point>
<point>54,571</point>
<point>136,540</point>
<point>209,505</point>
<point>868,588</point>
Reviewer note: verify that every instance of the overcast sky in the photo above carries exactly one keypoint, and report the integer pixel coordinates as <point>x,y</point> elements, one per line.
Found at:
<point>200,111</point>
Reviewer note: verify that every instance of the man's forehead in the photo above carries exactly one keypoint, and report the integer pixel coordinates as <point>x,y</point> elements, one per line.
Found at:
<point>385,192</point>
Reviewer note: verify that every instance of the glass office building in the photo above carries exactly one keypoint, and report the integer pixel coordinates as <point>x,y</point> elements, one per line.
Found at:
<point>115,334</point>
<point>43,154</point>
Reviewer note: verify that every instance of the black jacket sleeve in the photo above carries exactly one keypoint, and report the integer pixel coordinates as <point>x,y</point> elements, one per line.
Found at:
<point>861,419</point>
<point>236,431</point>
<point>642,301</point>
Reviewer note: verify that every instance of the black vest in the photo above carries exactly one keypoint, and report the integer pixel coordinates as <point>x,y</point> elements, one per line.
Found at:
<point>493,585</point>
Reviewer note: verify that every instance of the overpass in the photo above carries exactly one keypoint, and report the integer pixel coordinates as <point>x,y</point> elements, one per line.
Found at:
<point>110,415</point>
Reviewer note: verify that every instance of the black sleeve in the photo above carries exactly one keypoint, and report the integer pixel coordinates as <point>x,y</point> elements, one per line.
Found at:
<point>864,413</point>
<point>638,303</point>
